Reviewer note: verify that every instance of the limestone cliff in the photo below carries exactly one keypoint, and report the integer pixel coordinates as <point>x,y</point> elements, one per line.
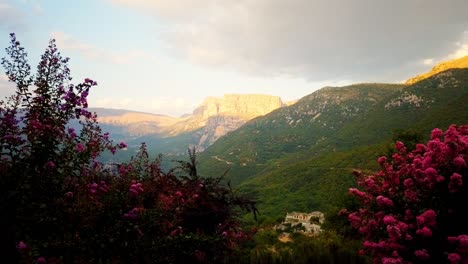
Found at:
<point>217,116</point>
<point>245,106</point>
<point>457,63</point>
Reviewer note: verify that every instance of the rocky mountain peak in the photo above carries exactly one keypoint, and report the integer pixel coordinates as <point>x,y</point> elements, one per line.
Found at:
<point>245,106</point>
<point>452,64</point>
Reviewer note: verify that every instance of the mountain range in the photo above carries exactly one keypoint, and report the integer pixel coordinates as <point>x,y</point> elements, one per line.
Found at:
<point>300,156</point>
<point>173,135</point>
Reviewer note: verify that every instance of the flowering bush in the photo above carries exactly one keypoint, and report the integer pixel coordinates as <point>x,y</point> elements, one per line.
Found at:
<point>60,204</point>
<point>414,209</point>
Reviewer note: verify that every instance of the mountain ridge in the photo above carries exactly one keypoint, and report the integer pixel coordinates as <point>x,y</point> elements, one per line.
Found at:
<point>306,165</point>
<point>440,67</point>
<point>212,119</point>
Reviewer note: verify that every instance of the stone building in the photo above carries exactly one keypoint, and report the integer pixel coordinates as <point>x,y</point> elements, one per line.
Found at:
<point>309,222</point>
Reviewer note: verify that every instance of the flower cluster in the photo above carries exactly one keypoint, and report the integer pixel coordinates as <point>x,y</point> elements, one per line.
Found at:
<point>414,209</point>
<point>136,188</point>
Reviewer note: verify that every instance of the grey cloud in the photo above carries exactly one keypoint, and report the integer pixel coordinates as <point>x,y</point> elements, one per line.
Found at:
<point>373,40</point>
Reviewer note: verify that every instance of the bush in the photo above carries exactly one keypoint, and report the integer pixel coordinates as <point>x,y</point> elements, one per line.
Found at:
<point>60,204</point>
<point>414,209</point>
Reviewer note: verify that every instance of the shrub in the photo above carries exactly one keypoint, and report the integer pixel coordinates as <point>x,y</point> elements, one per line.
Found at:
<point>414,209</point>
<point>60,204</point>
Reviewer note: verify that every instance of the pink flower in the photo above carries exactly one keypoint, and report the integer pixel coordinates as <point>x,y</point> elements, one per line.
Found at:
<point>358,193</point>
<point>384,201</point>
<point>408,183</point>
<point>463,241</point>
<point>421,148</point>
<point>422,254</point>
<point>456,182</point>
<point>400,146</point>
<point>92,188</point>
<point>113,150</point>
<point>391,261</point>
<point>388,220</point>
<point>394,232</point>
<point>459,162</point>
<point>21,245</point>
<point>132,214</point>
<point>176,231</point>
<point>382,160</point>
<point>436,133</point>
<point>424,232</point>
<point>136,188</point>
<point>41,260</point>
<point>79,148</point>
<point>50,165</point>
<point>369,183</point>
<point>72,133</point>
<point>122,145</point>
<point>411,195</point>
<point>427,218</point>
<point>178,193</point>
<point>430,172</point>
<point>454,258</point>
<point>69,194</point>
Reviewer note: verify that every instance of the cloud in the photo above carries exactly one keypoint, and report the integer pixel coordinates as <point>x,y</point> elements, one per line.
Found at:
<point>428,61</point>
<point>313,39</point>
<point>123,103</point>
<point>3,78</point>
<point>460,52</point>
<point>174,106</point>
<point>11,18</point>
<point>6,88</point>
<point>67,42</point>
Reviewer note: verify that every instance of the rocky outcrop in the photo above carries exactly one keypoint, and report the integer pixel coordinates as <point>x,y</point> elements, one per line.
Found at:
<point>245,106</point>
<point>217,116</point>
<point>216,127</point>
<point>453,64</point>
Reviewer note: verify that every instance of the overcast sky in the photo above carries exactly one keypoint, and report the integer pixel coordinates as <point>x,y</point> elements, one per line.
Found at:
<point>166,56</point>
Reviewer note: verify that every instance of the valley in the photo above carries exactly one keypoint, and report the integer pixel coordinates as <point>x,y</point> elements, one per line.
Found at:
<point>300,156</point>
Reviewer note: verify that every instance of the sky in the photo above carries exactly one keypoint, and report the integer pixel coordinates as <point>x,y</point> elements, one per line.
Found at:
<point>166,56</point>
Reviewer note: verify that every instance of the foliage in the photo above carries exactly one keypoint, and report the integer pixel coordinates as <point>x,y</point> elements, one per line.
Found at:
<point>327,247</point>
<point>414,209</point>
<point>60,204</point>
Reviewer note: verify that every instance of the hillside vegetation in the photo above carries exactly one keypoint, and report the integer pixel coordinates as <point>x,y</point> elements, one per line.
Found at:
<point>301,157</point>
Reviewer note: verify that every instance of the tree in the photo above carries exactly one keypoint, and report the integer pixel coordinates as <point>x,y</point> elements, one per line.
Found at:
<point>60,204</point>
<point>414,209</point>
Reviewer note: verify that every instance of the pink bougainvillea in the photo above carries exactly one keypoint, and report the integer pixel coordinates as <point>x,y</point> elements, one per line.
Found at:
<point>414,209</point>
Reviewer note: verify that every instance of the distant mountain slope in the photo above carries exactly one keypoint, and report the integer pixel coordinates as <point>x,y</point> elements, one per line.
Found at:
<point>301,157</point>
<point>127,123</point>
<point>173,135</point>
<point>452,64</point>
<point>217,116</point>
<point>296,128</point>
